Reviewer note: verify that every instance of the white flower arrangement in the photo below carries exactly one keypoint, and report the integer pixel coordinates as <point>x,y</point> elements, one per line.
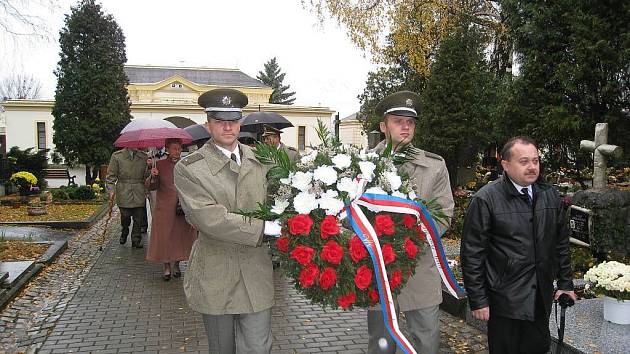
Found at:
<point>609,278</point>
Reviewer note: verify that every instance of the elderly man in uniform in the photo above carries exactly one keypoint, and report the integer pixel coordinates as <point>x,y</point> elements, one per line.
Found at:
<point>271,136</point>
<point>230,277</point>
<point>422,295</point>
<point>126,173</point>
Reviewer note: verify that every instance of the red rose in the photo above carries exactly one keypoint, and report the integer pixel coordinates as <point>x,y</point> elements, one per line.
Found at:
<point>300,224</point>
<point>283,244</point>
<point>410,248</point>
<point>395,278</point>
<point>388,253</point>
<point>357,249</point>
<point>383,224</point>
<point>329,226</point>
<point>346,300</point>
<point>308,275</point>
<point>363,278</point>
<point>332,252</point>
<point>373,295</point>
<point>327,278</point>
<point>303,254</point>
<point>409,221</point>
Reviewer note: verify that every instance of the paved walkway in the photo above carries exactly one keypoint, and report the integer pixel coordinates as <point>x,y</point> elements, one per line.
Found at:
<point>120,304</point>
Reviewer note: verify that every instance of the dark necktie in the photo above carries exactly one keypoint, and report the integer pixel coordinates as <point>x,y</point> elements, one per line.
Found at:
<point>233,157</point>
<point>526,192</point>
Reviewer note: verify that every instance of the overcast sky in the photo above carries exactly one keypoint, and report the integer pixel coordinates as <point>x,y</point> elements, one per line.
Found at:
<point>320,62</point>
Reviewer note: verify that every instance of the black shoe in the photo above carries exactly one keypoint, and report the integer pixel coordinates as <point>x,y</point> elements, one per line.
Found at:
<point>136,245</point>
<point>123,240</point>
<point>166,277</point>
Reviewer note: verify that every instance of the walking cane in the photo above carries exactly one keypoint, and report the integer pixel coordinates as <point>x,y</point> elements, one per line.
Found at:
<point>109,217</point>
<point>565,301</point>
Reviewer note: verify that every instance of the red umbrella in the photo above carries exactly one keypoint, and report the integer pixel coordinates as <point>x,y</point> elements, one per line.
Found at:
<point>153,137</point>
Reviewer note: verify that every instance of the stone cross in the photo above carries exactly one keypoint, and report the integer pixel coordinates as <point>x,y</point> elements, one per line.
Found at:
<point>600,150</point>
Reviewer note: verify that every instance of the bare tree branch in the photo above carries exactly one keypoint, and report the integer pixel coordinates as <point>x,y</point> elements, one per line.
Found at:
<point>19,86</point>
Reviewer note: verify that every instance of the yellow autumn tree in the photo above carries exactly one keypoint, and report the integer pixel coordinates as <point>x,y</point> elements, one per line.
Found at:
<point>413,29</point>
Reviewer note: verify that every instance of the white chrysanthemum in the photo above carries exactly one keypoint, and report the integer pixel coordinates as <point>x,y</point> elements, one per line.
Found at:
<point>412,195</point>
<point>347,185</point>
<point>279,206</point>
<point>326,174</point>
<point>342,161</point>
<point>308,158</point>
<point>372,155</point>
<point>287,180</point>
<point>330,203</point>
<point>367,170</point>
<point>375,190</point>
<point>304,202</point>
<point>394,180</point>
<point>302,180</point>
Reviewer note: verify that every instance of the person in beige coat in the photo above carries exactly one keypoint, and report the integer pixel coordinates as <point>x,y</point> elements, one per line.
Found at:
<point>126,173</point>
<point>422,295</point>
<point>229,279</point>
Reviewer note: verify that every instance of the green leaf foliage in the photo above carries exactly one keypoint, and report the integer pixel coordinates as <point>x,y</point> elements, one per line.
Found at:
<point>91,101</point>
<point>455,121</point>
<point>273,77</point>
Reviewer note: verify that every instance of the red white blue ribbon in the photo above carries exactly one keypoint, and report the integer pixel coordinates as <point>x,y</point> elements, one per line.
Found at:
<point>364,230</point>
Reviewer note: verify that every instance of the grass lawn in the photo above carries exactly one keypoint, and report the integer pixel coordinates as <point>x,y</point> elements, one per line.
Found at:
<point>56,212</point>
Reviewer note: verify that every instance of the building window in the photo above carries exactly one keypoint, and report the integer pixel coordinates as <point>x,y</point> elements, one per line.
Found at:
<point>41,135</point>
<point>301,138</point>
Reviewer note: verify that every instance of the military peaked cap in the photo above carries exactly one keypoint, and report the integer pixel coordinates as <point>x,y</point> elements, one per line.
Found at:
<point>223,104</point>
<point>402,103</point>
<point>269,130</point>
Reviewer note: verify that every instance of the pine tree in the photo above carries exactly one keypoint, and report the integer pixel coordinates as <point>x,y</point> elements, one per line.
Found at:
<point>273,78</point>
<point>456,117</point>
<point>91,101</point>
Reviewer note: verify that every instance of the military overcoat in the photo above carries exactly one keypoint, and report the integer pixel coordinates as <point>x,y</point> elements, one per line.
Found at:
<point>126,175</point>
<point>424,289</point>
<point>229,270</point>
<point>293,154</point>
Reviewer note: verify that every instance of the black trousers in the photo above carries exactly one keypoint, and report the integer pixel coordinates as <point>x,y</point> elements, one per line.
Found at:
<point>138,215</point>
<point>510,336</point>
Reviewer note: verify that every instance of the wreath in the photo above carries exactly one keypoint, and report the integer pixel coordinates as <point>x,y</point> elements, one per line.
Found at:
<point>318,249</point>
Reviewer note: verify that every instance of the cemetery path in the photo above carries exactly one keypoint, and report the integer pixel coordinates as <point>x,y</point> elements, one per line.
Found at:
<point>115,301</point>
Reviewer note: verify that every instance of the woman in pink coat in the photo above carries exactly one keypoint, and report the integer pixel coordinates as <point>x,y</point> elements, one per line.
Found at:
<point>171,237</point>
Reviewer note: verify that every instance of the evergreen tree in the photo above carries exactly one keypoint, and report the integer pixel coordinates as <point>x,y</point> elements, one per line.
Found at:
<point>91,101</point>
<point>574,60</point>
<point>456,118</point>
<point>273,78</point>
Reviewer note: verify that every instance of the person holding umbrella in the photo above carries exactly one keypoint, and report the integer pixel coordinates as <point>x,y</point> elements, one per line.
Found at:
<point>171,237</point>
<point>125,182</point>
<point>271,137</point>
<point>230,276</point>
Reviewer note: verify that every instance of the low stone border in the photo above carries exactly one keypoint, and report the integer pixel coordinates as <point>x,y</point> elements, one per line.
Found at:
<point>53,251</point>
<point>456,306</point>
<point>83,224</point>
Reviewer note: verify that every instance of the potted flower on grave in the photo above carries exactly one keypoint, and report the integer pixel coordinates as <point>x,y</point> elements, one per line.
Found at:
<point>612,280</point>
<point>23,180</point>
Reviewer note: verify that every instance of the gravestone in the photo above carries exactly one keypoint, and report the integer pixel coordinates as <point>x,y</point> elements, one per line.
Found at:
<point>601,150</point>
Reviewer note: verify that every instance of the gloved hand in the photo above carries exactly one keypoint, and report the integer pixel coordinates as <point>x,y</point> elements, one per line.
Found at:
<point>272,228</point>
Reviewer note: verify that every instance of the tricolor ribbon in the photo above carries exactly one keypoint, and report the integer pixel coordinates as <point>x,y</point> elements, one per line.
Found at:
<point>364,230</point>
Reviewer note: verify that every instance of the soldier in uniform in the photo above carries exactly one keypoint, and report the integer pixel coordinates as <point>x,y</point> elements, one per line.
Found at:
<point>271,136</point>
<point>422,295</point>
<point>125,179</point>
<point>229,278</point>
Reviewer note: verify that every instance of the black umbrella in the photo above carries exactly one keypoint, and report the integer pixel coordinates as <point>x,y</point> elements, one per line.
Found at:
<point>565,301</point>
<point>254,122</point>
<point>198,132</point>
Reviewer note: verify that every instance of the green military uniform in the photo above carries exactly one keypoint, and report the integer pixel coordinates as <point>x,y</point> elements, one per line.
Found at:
<point>292,152</point>
<point>126,173</point>
<point>421,296</point>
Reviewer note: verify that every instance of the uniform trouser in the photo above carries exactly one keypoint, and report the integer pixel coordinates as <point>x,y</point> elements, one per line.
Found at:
<point>126,214</point>
<point>423,326</point>
<point>248,333</point>
<point>510,336</point>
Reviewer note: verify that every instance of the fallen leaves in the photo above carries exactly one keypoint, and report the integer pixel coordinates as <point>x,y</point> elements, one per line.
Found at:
<point>13,250</point>
<point>56,212</point>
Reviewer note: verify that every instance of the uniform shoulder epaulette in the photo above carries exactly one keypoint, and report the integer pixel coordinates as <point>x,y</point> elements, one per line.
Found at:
<point>192,158</point>
<point>433,156</point>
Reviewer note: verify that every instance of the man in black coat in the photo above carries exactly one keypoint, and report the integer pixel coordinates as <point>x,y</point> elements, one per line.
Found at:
<point>514,245</point>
